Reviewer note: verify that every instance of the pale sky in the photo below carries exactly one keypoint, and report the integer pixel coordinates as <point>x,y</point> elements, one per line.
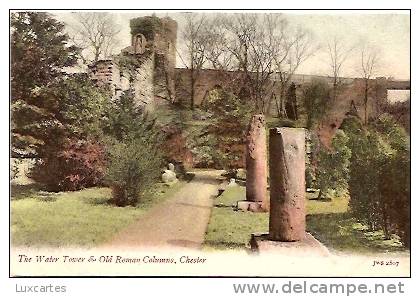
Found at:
<point>389,32</point>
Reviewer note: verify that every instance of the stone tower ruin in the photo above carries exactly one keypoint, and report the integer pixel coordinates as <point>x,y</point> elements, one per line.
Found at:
<point>147,66</point>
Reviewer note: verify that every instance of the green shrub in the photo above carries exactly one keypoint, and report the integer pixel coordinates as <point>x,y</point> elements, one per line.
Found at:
<point>228,126</point>
<point>380,175</point>
<point>316,97</point>
<point>203,149</point>
<point>133,167</point>
<point>367,155</point>
<point>71,166</point>
<point>332,167</point>
<point>134,150</point>
<point>395,188</point>
<point>125,119</point>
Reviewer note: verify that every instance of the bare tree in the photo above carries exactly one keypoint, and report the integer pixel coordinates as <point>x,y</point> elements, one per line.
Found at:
<point>96,34</point>
<point>298,46</point>
<point>338,52</point>
<point>369,62</point>
<point>257,49</point>
<point>248,44</point>
<point>252,43</point>
<point>241,32</point>
<point>267,45</point>
<point>194,36</point>
<point>217,55</point>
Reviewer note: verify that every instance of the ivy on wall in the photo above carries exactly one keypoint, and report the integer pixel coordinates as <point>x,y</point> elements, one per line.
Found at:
<point>146,25</point>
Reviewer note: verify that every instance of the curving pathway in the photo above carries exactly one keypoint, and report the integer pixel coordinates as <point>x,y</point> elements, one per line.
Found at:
<point>179,221</point>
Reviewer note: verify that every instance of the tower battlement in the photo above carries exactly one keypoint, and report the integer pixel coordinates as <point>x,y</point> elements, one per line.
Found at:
<point>147,66</point>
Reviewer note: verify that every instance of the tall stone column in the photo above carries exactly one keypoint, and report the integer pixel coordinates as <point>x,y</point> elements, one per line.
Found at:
<point>287,184</point>
<point>256,162</point>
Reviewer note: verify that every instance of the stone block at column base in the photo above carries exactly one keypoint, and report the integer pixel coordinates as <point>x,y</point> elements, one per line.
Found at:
<point>254,206</point>
<point>309,246</point>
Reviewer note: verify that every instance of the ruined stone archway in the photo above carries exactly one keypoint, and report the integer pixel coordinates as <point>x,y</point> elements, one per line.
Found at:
<point>139,43</point>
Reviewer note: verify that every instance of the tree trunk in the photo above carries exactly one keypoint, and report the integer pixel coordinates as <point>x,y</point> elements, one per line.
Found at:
<point>283,101</point>
<point>335,90</point>
<point>366,100</point>
<point>192,89</point>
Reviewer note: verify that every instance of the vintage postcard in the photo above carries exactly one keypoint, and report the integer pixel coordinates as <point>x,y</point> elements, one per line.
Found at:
<point>210,143</point>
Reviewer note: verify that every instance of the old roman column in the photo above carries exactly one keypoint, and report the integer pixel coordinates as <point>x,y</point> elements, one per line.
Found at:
<point>256,162</point>
<point>287,184</point>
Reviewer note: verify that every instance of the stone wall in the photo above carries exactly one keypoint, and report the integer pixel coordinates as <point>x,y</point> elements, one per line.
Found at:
<point>143,84</point>
<point>106,73</point>
<point>351,101</point>
<point>165,60</point>
<point>152,68</point>
<point>209,79</point>
<point>157,81</point>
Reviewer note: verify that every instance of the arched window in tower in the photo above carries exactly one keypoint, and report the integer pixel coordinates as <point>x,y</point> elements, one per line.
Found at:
<point>139,43</point>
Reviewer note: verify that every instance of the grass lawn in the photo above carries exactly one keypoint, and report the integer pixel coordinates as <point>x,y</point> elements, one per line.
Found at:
<point>80,218</point>
<point>329,222</point>
<point>229,228</point>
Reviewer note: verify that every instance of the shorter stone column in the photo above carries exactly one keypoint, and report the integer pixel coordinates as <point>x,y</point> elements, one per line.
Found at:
<point>287,184</point>
<point>256,161</point>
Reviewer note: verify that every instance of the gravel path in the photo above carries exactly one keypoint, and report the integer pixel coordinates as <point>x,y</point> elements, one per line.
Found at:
<point>179,221</point>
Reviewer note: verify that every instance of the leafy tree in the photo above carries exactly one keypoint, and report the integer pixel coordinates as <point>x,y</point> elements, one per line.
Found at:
<point>134,150</point>
<point>126,120</point>
<point>228,125</point>
<point>202,145</point>
<point>364,178</point>
<point>39,53</point>
<point>395,188</point>
<point>78,106</point>
<point>55,115</point>
<point>332,168</point>
<point>394,177</point>
<point>379,175</point>
<point>74,157</point>
<point>316,98</point>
